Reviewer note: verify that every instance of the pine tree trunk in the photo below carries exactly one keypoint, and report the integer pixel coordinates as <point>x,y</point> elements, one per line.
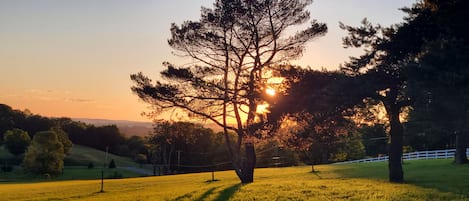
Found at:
<point>248,164</point>
<point>245,167</point>
<point>460,156</point>
<point>396,174</point>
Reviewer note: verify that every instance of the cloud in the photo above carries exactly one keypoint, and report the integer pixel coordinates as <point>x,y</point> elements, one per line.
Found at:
<point>9,96</point>
<point>56,95</point>
<point>79,100</point>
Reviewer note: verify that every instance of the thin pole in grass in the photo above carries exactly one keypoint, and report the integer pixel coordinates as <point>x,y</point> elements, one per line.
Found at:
<point>213,175</point>
<point>102,170</point>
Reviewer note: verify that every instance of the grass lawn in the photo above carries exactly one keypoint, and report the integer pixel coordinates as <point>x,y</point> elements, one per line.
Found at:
<point>427,180</point>
<point>76,164</point>
<point>82,156</point>
<point>69,173</point>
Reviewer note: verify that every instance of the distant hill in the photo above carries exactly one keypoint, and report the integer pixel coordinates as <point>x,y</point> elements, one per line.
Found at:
<point>128,128</point>
<point>131,128</point>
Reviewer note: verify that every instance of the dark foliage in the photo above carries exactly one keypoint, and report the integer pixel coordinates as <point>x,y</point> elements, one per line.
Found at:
<point>112,164</point>
<point>235,43</point>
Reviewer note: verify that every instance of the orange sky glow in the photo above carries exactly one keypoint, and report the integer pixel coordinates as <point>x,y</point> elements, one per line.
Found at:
<point>74,58</point>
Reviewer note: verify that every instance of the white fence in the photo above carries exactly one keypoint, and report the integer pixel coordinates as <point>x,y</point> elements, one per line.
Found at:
<point>435,154</point>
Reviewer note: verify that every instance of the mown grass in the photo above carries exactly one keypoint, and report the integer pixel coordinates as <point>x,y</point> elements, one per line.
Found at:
<point>427,180</point>
<point>69,173</point>
<point>82,156</point>
<point>76,167</point>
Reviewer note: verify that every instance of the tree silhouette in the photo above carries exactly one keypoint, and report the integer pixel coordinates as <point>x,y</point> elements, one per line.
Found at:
<point>440,78</point>
<point>16,141</point>
<point>388,51</point>
<point>318,102</point>
<point>236,45</point>
<point>45,155</point>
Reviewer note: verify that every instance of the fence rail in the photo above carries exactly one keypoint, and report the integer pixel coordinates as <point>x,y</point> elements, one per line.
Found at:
<point>418,155</point>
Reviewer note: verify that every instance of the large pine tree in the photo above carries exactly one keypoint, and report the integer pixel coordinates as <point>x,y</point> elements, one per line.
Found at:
<point>236,45</point>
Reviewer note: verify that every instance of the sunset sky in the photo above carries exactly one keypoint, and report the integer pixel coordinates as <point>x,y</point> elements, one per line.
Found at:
<point>73,58</point>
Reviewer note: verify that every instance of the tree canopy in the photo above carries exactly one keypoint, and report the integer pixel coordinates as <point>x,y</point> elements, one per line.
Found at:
<point>237,45</point>
<point>45,155</point>
<point>16,141</point>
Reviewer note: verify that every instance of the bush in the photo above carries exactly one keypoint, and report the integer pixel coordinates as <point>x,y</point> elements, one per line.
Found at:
<point>16,141</point>
<point>7,168</point>
<point>45,155</point>
<point>112,164</point>
<point>90,165</point>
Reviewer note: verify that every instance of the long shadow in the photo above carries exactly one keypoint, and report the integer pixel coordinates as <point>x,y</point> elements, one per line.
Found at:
<point>206,194</point>
<point>317,174</point>
<point>228,192</point>
<point>185,196</point>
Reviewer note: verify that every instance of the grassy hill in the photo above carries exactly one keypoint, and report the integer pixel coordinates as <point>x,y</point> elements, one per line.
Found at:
<point>76,166</point>
<point>82,156</point>
<point>427,180</point>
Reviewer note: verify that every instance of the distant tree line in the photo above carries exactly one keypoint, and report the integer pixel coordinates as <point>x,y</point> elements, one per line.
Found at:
<point>17,128</point>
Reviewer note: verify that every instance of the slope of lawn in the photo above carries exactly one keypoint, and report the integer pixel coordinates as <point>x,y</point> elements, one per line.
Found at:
<point>76,166</point>
<point>427,180</point>
<point>81,155</point>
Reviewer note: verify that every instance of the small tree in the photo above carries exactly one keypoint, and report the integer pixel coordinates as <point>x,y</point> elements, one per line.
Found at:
<point>16,141</point>
<point>311,115</point>
<point>63,138</point>
<point>45,155</point>
<point>112,164</point>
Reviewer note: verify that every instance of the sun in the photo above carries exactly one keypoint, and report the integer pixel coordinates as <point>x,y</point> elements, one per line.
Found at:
<point>270,91</point>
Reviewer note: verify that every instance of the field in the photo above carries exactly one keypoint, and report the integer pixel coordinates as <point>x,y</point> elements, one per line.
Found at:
<point>76,166</point>
<point>81,156</point>
<point>427,180</point>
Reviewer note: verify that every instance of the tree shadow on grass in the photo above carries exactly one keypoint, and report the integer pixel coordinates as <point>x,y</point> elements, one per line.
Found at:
<point>185,196</point>
<point>227,193</point>
<point>206,194</point>
<point>317,174</point>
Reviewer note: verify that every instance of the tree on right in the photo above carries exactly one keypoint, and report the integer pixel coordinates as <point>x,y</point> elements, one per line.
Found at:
<point>421,63</point>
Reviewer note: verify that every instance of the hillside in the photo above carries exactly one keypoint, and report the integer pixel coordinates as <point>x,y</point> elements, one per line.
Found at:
<point>76,166</point>
<point>128,128</point>
<point>131,128</point>
<point>427,180</point>
<point>82,156</point>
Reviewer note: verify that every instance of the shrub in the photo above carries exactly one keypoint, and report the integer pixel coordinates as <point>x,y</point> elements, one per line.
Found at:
<point>112,164</point>
<point>16,141</point>
<point>45,155</point>
<point>7,168</point>
<point>90,165</point>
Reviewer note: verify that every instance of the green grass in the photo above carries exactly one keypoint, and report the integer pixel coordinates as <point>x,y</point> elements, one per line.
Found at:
<point>426,180</point>
<point>76,164</point>
<point>82,156</point>
<point>69,173</point>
